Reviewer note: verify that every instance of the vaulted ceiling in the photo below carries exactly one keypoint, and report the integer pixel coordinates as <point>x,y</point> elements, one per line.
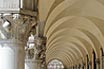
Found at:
<point>74,28</point>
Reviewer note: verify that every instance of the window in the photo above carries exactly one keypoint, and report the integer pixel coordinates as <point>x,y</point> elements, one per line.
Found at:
<point>55,64</point>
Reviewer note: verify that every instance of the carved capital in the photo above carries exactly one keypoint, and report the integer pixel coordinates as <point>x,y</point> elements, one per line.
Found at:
<point>98,61</point>
<point>40,48</point>
<point>19,26</point>
<point>89,63</point>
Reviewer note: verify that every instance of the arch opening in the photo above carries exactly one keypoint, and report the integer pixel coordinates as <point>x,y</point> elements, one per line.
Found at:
<point>55,64</point>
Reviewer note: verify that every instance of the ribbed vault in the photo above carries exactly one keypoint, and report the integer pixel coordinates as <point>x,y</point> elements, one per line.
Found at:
<point>74,29</point>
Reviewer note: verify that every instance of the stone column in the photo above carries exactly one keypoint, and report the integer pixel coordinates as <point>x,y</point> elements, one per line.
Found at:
<point>79,66</point>
<point>11,54</point>
<point>97,63</point>
<point>83,65</point>
<point>89,64</point>
<point>101,58</point>
<point>73,67</point>
<point>38,64</point>
<point>102,61</point>
<point>32,64</point>
<point>40,56</point>
<point>87,61</point>
<point>93,60</point>
<point>13,40</point>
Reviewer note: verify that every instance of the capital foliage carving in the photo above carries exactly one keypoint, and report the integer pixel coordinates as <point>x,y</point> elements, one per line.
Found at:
<point>19,26</point>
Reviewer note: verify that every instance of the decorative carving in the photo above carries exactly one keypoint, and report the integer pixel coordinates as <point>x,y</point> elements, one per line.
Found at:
<point>20,26</point>
<point>31,53</point>
<point>41,49</point>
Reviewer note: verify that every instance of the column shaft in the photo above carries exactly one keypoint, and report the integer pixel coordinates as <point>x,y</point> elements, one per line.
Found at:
<point>11,55</point>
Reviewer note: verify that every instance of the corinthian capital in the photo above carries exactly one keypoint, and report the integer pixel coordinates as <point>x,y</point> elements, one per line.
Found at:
<point>18,27</point>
